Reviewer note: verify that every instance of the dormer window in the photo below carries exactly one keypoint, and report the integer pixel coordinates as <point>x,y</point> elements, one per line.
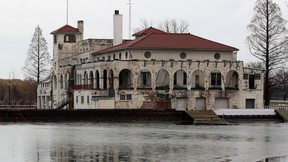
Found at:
<point>70,38</point>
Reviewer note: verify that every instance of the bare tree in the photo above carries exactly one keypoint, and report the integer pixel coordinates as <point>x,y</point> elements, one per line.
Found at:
<point>280,80</point>
<point>38,63</point>
<point>17,92</point>
<point>144,23</point>
<point>174,26</point>
<point>267,40</point>
<point>281,77</point>
<point>256,64</point>
<point>167,25</point>
<point>183,26</point>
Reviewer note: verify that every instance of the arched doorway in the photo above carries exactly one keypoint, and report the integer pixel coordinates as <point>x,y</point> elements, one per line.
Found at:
<point>162,80</point>
<point>91,80</point>
<point>180,80</point>
<point>105,79</point>
<point>198,79</point>
<point>125,79</point>
<point>111,84</point>
<point>97,79</point>
<point>85,80</point>
<point>232,79</point>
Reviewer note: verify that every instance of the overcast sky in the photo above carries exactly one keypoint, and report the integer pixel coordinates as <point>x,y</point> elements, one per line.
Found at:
<point>224,21</point>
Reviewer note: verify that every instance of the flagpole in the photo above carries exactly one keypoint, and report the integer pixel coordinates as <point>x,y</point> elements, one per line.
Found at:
<point>67,12</point>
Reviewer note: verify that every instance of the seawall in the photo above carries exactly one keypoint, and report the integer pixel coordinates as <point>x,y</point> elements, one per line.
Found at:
<point>119,116</point>
<point>99,115</point>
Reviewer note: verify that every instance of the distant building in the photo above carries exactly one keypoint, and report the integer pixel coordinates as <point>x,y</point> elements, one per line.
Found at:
<point>156,70</point>
<point>44,95</point>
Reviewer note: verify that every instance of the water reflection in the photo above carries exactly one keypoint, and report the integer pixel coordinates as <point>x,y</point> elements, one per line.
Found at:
<point>142,142</point>
<point>276,159</point>
<point>119,153</point>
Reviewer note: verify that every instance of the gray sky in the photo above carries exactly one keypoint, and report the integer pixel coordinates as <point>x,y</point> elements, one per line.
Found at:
<point>224,21</point>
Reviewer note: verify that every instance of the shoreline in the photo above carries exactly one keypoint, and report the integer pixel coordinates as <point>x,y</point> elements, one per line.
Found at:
<point>119,116</point>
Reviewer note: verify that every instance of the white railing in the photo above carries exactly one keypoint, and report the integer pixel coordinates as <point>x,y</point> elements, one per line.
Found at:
<point>277,107</point>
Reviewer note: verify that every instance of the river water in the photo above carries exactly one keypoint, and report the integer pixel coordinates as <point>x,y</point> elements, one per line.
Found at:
<point>85,142</point>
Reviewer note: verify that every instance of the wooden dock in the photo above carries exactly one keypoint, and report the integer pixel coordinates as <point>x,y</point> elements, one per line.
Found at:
<point>207,117</point>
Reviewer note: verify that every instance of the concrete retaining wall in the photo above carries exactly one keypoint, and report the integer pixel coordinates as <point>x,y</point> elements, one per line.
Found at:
<point>126,115</point>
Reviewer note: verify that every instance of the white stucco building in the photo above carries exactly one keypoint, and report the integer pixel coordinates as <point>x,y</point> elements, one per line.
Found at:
<point>156,70</point>
<point>44,95</point>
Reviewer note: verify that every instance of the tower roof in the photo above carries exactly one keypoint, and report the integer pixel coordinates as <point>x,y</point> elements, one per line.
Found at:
<point>66,29</point>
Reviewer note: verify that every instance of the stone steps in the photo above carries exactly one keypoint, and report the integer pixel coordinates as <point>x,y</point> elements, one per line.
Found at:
<point>205,117</point>
<point>283,114</point>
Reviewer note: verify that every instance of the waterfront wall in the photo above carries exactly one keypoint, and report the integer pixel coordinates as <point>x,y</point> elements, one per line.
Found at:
<point>100,115</point>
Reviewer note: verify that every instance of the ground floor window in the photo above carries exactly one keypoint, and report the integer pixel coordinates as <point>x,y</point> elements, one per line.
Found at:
<point>82,99</point>
<point>200,103</point>
<point>221,103</point>
<point>250,103</point>
<point>126,97</point>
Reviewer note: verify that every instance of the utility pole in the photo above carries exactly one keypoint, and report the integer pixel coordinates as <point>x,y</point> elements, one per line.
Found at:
<point>9,92</point>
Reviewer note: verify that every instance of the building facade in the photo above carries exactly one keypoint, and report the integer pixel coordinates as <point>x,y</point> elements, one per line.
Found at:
<point>156,70</point>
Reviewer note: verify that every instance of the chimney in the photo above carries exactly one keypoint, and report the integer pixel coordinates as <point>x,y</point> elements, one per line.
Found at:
<point>117,28</point>
<point>80,26</point>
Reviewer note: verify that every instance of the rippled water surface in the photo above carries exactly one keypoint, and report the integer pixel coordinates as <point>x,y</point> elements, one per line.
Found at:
<point>69,142</point>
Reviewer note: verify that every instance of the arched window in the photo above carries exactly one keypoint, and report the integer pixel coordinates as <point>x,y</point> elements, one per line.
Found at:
<point>97,79</point>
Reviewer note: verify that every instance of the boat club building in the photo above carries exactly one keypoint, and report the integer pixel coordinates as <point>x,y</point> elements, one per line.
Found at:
<point>155,70</point>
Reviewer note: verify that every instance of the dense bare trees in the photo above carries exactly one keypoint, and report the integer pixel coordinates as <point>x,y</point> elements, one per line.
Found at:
<point>38,62</point>
<point>167,25</point>
<point>256,64</point>
<point>267,40</point>
<point>17,92</point>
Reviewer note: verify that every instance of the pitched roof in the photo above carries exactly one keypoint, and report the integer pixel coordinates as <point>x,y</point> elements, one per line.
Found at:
<point>66,29</point>
<point>147,31</point>
<point>171,41</point>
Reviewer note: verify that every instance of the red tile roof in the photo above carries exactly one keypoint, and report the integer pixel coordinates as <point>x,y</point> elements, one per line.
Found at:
<point>147,31</point>
<point>66,29</point>
<point>162,40</point>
